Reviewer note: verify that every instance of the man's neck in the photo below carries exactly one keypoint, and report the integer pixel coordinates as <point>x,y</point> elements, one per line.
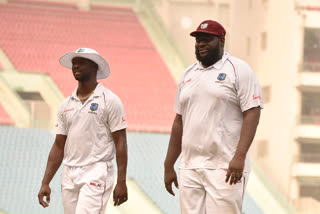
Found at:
<point>86,87</point>
<point>208,64</point>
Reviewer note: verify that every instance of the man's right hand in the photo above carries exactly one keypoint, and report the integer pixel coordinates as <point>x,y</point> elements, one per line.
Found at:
<point>169,177</point>
<point>44,191</point>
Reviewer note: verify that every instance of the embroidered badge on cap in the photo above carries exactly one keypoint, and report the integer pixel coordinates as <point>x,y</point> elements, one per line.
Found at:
<point>222,76</point>
<point>94,106</point>
<point>204,26</point>
<point>80,50</point>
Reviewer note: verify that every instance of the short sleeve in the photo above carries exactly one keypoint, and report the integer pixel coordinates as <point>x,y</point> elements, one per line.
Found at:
<point>177,105</point>
<point>249,90</point>
<point>60,123</point>
<point>116,116</point>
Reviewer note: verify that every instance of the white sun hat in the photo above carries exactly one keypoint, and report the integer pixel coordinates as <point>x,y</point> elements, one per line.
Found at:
<point>88,53</point>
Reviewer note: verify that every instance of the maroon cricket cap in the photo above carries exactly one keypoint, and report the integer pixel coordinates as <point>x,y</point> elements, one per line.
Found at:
<point>210,27</point>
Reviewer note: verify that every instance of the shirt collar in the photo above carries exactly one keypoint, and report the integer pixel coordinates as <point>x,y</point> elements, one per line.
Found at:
<point>218,65</point>
<point>97,91</point>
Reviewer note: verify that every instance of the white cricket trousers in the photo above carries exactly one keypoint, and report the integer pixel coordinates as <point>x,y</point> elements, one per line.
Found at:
<point>204,191</point>
<point>86,190</point>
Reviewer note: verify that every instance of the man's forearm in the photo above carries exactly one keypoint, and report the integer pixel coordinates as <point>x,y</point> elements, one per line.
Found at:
<point>174,148</point>
<point>122,159</point>
<point>54,162</point>
<point>249,126</point>
<point>120,140</point>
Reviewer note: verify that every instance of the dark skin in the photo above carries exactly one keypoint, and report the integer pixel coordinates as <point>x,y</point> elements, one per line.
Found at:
<point>206,43</point>
<point>54,162</point>
<point>249,126</point>
<point>120,192</point>
<point>173,153</point>
<point>85,71</point>
<point>209,48</point>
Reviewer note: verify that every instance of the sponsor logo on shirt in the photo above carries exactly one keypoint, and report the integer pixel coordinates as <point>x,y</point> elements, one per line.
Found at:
<point>70,109</point>
<point>184,82</point>
<point>258,97</point>
<point>221,76</point>
<point>95,184</point>
<point>94,106</point>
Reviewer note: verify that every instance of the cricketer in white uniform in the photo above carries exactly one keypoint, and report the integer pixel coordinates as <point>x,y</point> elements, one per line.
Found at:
<point>90,129</point>
<point>218,103</point>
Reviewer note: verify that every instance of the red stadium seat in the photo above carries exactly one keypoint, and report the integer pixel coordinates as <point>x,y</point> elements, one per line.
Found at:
<point>35,36</point>
<point>5,119</point>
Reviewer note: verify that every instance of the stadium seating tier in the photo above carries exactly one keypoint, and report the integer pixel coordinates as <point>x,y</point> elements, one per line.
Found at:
<point>5,119</point>
<point>35,36</point>
<point>23,160</point>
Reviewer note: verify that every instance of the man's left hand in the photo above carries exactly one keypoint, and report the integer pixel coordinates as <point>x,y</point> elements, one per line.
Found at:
<point>120,194</point>
<point>235,170</point>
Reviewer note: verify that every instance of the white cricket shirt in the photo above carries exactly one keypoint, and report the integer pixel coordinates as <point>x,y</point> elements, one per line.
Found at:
<point>212,101</point>
<point>89,126</point>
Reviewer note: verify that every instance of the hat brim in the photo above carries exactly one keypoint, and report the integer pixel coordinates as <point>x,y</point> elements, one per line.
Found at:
<point>194,33</point>
<point>103,66</point>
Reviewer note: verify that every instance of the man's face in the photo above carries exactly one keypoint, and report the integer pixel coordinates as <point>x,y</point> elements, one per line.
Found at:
<point>83,69</point>
<point>208,48</point>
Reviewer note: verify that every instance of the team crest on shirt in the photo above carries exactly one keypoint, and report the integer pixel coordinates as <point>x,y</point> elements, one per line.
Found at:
<point>221,76</point>
<point>94,106</point>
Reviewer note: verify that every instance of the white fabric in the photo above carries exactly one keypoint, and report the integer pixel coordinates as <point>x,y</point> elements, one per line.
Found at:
<point>88,53</point>
<point>88,131</point>
<point>204,191</point>
<point>212,111</point>
<point>86,190</point>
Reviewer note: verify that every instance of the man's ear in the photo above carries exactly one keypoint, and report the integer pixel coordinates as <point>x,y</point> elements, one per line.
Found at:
<point>222,41</point>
